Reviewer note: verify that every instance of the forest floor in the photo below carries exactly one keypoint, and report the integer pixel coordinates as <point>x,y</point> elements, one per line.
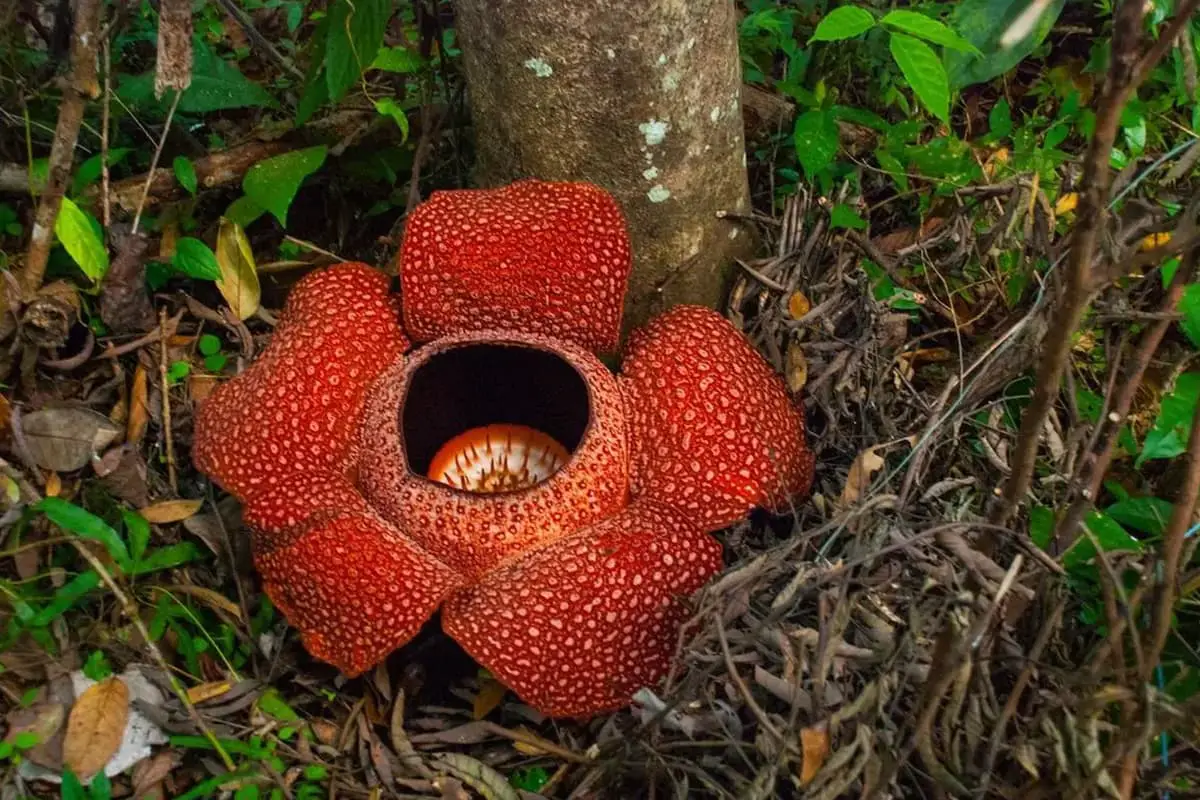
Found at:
<point>892,636</point>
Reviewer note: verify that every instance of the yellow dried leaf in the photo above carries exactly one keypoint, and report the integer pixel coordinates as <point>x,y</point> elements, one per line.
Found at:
<point>95,727</point>
<point>170,511</point>
<point>207,691</point>
<point>239,275</point>
<point>529,747</point>
<point>491,692</point>
<point>796,367</point>
<point>53,485</point>
<point>139,410</point>
<point>1066,203</point>
<point>170,235</point>
<point>1156,240</point>
<point>814,749</point>
<point>798,305</point>
<point>864,466</point>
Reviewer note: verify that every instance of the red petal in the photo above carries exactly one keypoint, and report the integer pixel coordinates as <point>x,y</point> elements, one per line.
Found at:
<point>279,513</point>
<point>538,257</point>
<point>713,431</point>
<point>474,532</point>
<point>296,409</point>
<point>356,588</point>
<point>577,627</point>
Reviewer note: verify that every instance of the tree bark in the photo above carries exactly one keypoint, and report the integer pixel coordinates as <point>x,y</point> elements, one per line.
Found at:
<point>641,98</point>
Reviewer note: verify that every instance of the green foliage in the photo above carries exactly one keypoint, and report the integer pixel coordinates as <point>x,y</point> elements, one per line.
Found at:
<point>529,779</point>
<point>816,137</point>
<point>983,23</point>
<point>185,173</point>
<point>843,22</point>
<point>272,184</point>
<point>81,235</point>
<point>355,34</point>
<point>1169,436</point>
<point>924,72</point>
<point>216,85</point>
<point>390,108</point>
<point>196,259</point>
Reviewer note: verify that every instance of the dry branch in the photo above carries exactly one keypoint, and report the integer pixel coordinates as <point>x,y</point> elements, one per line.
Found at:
<point>1126,72</point>
<point>80,85</point>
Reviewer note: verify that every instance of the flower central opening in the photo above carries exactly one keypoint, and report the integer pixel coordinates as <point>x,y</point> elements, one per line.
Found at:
<point>497,458</point>
<point>489,418</point>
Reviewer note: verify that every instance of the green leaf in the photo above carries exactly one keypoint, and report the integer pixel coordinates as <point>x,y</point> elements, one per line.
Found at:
<point>89,171</point>
<point>860,116</point>
<point>924,73</point>
<point>216,85</point>
<point>185,173</point>
<point>1041,525</point>
<point>928,29</point>
<point>1145,514</point>
<point>1169,436</point>
<point>892,166</point>
<point>1189,307</point>
<point>85,525</point>
<point>72,789</point>
<point>816,137</point>
<point>390,108</point>
<point>101,787</point>
<point>316,89</point>
<point>983,23</point>
<point>398,59</point>
<point>196,259</point>
<point>273,183</point>
<point>355,35</point>
<point>65,597</point>
<point>209,345</point>
<point>138,530</point>
<point>843,216</point>
<point>243,211</point>
<point>78,235</point>
<point>169,557</point>
<point>1000,121</point>
<point>1108,534</point>
<point>844,22</point>
<point>272,704</point>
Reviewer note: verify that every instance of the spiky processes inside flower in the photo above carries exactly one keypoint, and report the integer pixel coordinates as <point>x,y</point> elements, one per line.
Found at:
<point>498,458</point>
<point>494,417</point>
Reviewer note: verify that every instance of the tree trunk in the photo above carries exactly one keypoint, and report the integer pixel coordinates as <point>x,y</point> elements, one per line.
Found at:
<point>642,98</point>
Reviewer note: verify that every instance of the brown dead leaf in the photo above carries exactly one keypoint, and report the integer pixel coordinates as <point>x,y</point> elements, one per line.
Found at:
<point>862,469</point>
<point>139,409</point>
<point>65,439</point>
<point>169,511</point>
<point>491,692</point>
<point>53,485</point>
<point>814,749</point>
<point>96,726</point>
<point>796,368</point>
<point>201,386</point>
<point>41,719</point>
<point>798,305</point>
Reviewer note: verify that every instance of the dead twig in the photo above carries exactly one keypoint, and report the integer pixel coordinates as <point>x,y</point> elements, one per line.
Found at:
<point>80,85</point>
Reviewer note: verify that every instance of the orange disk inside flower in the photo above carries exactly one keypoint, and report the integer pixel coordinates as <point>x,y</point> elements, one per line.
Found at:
<point>497,458</point>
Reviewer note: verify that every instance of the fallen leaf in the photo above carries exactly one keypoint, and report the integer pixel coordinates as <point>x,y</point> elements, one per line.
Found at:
<point>207,691</point>
<point>864,466</point>
<point>239,275</point>
<point>65,439</point>
<point>171,511</point>
<point>1066,204</point>
<point>798,305</point>
<point>1156,240</point>
<point>53,485</point>
<point>478,775</point>
<point>201,386</point>
<point>796,367</point>
<point>40,719</point>
<point>491,692</point>
<point>96,727</point>
<point>529,747</point>
<point>814,749</point>
<point>139,409</point>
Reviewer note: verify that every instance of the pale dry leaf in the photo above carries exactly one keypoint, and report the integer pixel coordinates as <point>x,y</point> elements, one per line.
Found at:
<point>208,691</point>
<point>139,409</point>
<point>65,439</point>
<point>96,727</point>
<point>41,719</point>
<point>169,511</point>
<point>814,749</point>
<point>798,305</point>
<point>239,274</point>
<point>479,776</point>
<point>796,368</point>
<point>862,469</point>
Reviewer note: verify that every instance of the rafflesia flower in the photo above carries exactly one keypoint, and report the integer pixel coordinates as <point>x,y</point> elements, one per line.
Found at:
<point>556,513</point>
